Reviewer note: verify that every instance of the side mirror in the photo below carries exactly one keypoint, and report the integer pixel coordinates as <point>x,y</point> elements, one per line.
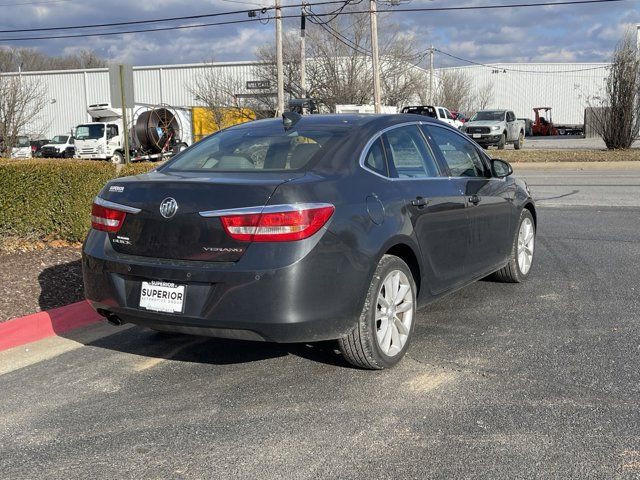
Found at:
<point>501,169</point>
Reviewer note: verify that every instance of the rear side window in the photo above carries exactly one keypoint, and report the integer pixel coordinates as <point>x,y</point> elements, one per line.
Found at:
<point>257,149</point>
<point>409,154</point>
<point>460,154</point>
<point>375,159</point>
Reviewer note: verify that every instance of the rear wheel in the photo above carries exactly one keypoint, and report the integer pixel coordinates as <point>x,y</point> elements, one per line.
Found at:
<point>386,324</point>
<point>502,142</point>
<point>521,257</point>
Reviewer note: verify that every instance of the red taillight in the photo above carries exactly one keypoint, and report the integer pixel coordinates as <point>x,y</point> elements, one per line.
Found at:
<point>280,226</point>
<point>106,219</point>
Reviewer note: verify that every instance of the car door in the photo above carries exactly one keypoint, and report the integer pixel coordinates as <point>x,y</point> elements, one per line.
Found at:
<point>512,135</point>
<point>488,200</point>
<point>434,205</point>
<point>113,137</point>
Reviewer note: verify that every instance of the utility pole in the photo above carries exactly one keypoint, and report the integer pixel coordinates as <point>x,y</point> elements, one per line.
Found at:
<point>125,124</point>
<point>375,59</point>
<point>303,64</point>
<point>431,99</point>
<point>279,60</point>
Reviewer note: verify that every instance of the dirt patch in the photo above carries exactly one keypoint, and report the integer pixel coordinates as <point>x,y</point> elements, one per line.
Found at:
<point>427,382</point>
<point>39,279</point>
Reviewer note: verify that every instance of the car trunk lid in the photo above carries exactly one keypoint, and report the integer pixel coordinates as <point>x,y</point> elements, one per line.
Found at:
<point>186,235</point>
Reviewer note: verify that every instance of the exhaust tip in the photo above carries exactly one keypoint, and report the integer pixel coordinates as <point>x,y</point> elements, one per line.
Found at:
<point>112,318</point>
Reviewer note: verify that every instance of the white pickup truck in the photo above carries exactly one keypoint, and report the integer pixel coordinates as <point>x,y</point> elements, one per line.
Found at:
<point>496,127</point>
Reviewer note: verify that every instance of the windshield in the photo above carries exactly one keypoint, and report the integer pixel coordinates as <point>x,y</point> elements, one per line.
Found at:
<point>258,149</point>
<point>22,142</point>
<point>60,139</point>
<point>490,115</point>
<point>90,132</point>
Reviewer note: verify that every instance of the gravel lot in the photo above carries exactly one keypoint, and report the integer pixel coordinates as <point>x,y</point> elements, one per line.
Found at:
<point>539,380</point>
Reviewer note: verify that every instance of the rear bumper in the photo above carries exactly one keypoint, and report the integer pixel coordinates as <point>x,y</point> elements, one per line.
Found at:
<point>316,293</point>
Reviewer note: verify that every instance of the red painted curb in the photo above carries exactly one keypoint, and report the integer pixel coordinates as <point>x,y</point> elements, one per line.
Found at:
<point>37,326</point>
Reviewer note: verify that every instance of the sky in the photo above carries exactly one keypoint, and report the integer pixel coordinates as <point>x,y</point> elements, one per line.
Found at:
<point>572,33</point>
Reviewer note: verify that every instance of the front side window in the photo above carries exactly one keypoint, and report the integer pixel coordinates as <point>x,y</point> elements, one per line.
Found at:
<point>442,114</point>
<point>409,153</point>
<point>460,155</point>
<point>113,131</point>
<point>259,149</point>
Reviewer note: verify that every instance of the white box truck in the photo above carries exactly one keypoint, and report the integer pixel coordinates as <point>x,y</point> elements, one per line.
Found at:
<point>155,133</point>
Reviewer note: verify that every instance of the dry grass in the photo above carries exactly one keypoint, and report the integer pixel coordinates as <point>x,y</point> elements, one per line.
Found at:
<point>549,156</point>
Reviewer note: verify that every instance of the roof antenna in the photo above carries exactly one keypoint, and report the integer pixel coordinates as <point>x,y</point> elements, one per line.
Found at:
<point>289,119</point>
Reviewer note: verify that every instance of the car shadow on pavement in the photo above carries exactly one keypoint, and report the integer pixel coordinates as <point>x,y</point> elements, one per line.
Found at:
<point>141,341</point>
<point>60,285</point>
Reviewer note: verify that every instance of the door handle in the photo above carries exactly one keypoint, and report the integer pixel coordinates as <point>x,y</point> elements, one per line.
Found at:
<point>420,202</point>
<point>475,199</point>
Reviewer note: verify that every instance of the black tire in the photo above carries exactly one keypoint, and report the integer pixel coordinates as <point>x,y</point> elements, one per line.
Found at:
<point>502,142</point>
<point>360,347</point>
<point>519,142</point>
<point>117,158</point>
<point>484,147</point>
<point>511,273</point>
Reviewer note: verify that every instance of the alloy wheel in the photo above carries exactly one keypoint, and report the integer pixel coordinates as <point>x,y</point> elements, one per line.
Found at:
<point>394,313</point>
<point>526,239</point>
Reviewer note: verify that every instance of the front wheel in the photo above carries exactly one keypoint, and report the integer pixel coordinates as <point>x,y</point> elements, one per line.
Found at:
<point>519,142</point>
<point>117,158</point>
<point>502,142</point>
<point>386,324</point>
<point>521,256</point>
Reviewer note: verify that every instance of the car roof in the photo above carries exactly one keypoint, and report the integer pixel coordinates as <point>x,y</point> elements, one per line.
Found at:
<point>348,120</point>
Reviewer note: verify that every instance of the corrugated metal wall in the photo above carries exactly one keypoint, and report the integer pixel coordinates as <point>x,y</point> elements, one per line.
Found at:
<point>543,84</point>
<point>69,92</point>
<point>519,87</point>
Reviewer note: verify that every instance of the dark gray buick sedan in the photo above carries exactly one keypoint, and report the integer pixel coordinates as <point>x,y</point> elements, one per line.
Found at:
<point>308,228</point>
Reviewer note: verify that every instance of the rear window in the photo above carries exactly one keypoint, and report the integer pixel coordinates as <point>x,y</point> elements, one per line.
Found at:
<point>258,149</point>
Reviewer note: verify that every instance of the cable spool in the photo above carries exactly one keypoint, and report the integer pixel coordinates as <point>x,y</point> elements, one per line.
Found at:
<point>156,129</point>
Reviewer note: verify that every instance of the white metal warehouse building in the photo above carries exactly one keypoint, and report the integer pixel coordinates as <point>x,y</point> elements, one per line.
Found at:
<point>519,87</point>
<point>522,86</point>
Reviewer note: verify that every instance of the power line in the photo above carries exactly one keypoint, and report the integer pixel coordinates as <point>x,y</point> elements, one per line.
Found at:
<point>495,67</point>
<point>160,20</point>
<point>497,7</point>
<point>32,3</point>
<point>249,20</point>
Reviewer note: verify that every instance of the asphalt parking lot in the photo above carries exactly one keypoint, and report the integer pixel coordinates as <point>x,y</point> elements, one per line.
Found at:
<point>538,380</point>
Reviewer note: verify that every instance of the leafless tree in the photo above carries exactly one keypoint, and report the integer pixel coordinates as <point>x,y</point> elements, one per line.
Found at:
<point>339,63</point>
<point>484,96</point>
<point>616,113</point>
<point>29,59</point>
<point>222,94</point>
<point>21,102</point>
<point>455,90</point>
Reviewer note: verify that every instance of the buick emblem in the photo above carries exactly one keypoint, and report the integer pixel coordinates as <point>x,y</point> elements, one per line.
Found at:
<point>168,207</point>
